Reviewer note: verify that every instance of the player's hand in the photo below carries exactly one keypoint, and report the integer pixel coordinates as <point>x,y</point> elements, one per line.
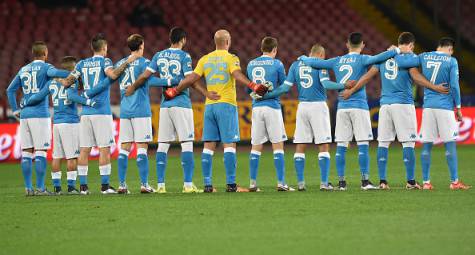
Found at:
<point>170,93</point>
<point>350,84</point>
<point>129,91</point>
<point>441,88</point>
<point>269,86</point>
<point>260,89</point>
<point>16,114</point>
<point>458,114</point>
<point>392,47</point>
<point>134,56</point>
<point>345,94</point>
<point>255,96</point>
<point>213,95</point>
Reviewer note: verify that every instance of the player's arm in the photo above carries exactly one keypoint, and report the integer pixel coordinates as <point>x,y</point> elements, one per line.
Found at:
<point>420,80</point>
<point>331,85</point>
<point>103,85</point>
<point>373,71</point>
<point>72,95</point>
<point>114,73</point>
<point>36,98</point>
<point>15,84</point>
<point>318,63</point>
<point>162,82</point>
<point>200,87</point>
<point>260,89</point>
<point>73,76</point>
<point>53,72</point>
<point>288,82</point>
<point>371,60</point>
<point>455,88</point>
<point>407,62</point>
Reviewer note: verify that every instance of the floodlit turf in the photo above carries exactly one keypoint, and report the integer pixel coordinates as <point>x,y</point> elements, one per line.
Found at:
<point>312,222</point>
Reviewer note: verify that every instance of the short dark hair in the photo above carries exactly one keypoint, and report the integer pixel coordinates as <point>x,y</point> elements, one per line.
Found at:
<point>68,62</point>
<point>355,39</point>
<point>134,41</point>
<point>268,44</point>
<point>98,42</point>
<point>177,34</point>
<point>406,38</point>
<point>38,49</point>
<point>446,42</point>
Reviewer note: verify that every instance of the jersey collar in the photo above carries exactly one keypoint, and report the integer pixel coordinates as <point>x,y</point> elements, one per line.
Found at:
<point>98,56</point>
<point>173,48</point>
<point>38,61</point>
<point>353,53</point>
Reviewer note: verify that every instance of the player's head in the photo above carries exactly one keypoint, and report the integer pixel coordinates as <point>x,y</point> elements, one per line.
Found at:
<point>177,37</point>
<point>136,43</point>
<point>222,39</point>
<point>317,51</point>
<point>355,42</point>
<point>406,41</point>
<point>68,63</point>
<point>99,44</point>
<point>446,44</point>
<point>39,50</point>
<point>269,46</point>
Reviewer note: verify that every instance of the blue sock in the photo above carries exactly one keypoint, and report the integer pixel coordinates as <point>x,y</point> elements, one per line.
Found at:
<point>142,165</point>
<point>26,168</point>
<point>451,156</point>
<point>71,183</point>
<point>340,159</point>
<point>105,171</point>
<point>279,164</point>
<point>253,165</point>
<point>57,182</point>
<point>363,159</point>
<point>40,168</point>
<point>105,179</point>
<point>382,156</point>
<point>299,163</point>
<point>409,157</point>
<point>122,162</point>
<point>425,161</point>
<point>324,164</point>
<point>188,163</point>
<point>161,162</point>
<point>82,179</point>
<point>206,166</point>
<point>230,166</point>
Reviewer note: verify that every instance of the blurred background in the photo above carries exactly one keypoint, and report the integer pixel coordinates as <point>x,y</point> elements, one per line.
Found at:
<point>68,26</point>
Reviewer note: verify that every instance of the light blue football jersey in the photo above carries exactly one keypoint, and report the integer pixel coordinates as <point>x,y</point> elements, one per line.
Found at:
<point>440,68</point>
<point>308,81</point>
<point>396,82</point>
<point>266,69</point>
<point>350,67</point>
<point>92,72</point>
<point>32,78</point>
<point>138,104</point>
<point>173,64</point>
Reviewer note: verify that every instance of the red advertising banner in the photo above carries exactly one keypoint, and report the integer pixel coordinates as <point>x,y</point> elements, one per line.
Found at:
<point>10,138</point>
<point>10,143</point>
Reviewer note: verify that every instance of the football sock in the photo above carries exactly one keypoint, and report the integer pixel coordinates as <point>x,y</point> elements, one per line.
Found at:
<point>56,178</point>
<point>71,178</point>
<point>105,172</point>
<point>279,164</point>
<point>142,165</point>
<point>382,156</point>
<point>230,164</point>
<point>254,164</point>
<point>40,169</point>
<point>122,162</point>
<point>409,158</point>
<point>340,159</point>
<point>363,159</point>
<point>187,161</point>
<point>161,161</point>
<point>82,172</point>
<point>425,161</point>
<point>451,156</point>
<point>299,163</point>
<point>26,166</point>
<point>206,165</point>
<point>324,164</point>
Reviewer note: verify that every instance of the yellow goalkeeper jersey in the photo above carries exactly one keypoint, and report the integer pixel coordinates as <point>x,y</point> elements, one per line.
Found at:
<point>217,68</point>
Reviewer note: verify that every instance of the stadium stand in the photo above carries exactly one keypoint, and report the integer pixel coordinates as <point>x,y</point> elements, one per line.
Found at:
<point>67,29</point>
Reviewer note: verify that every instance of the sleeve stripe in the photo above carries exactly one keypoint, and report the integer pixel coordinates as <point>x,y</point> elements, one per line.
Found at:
<point>288,83</point>
<point>151,69</point>
<point>189,72</point>
<point>107,67</point>
<point>324,79</point>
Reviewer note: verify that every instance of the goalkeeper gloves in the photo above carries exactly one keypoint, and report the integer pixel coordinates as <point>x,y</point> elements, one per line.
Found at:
<point>260,89</point>
<point>170,93</point>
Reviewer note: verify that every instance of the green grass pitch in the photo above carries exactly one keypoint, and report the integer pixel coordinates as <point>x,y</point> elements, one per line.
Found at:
<point>312,222</point>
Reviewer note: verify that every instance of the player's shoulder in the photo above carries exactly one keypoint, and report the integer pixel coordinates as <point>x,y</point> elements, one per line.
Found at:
<point>278,63</point>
